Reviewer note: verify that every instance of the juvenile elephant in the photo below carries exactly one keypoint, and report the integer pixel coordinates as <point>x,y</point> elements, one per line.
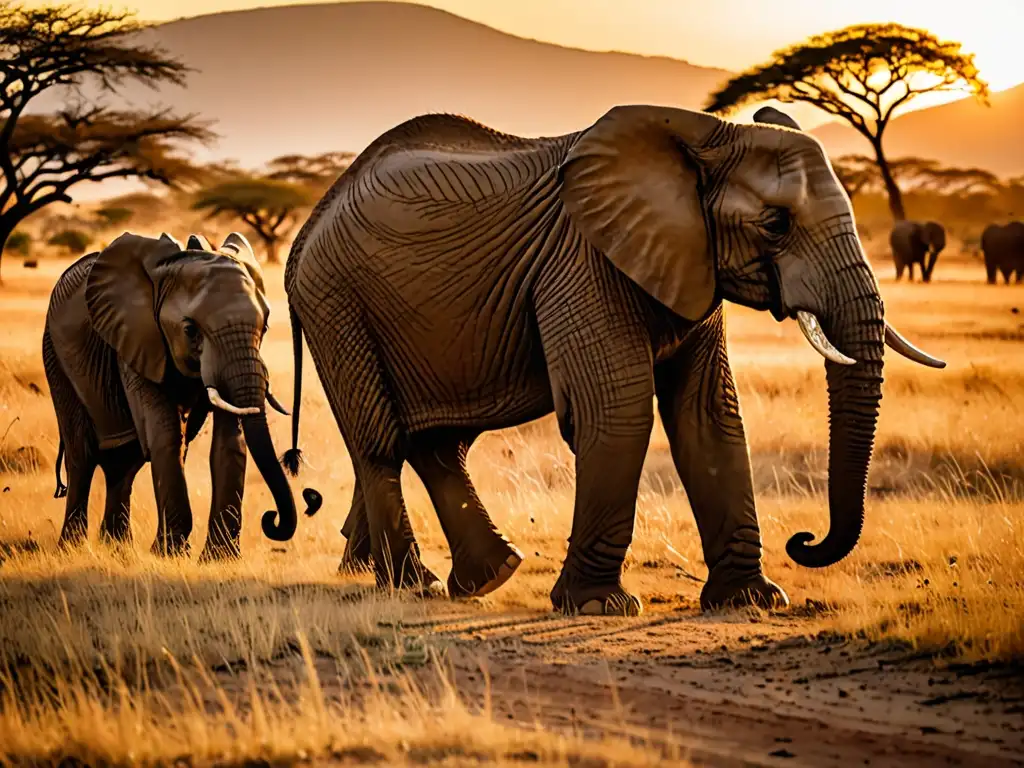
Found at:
<point>917,242</point>
<point>457,280</point>
<point>141,341</point>
<point>1003,248</point>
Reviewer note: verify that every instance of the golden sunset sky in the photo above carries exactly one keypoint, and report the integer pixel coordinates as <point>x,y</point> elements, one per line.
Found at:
<point>733,34</point>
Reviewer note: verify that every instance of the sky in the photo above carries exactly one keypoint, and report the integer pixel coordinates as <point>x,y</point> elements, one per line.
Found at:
<point>733,34</point>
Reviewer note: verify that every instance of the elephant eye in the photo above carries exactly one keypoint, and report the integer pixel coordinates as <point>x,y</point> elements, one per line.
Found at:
<point>778,222</point>
<point>191,330</point>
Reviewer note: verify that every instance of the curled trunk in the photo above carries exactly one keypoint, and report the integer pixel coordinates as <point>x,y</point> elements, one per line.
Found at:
<point>856,326</point>
<point>245,378</point>
<point>279,525</point>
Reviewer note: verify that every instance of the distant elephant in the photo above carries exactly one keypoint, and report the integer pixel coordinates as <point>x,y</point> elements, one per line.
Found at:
<point>916,242</point>
<point>141,341</point>
<point>457,280</point>
<point>1003,248</point>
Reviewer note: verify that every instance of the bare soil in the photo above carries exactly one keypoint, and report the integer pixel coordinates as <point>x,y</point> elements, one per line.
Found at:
<point>742,689</point>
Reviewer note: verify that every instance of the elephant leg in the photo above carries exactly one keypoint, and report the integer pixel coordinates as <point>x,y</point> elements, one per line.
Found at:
<point>899,269</point>
<point>990,274</point>
<point>1006,275</point>
<point>351,372</point>
<point>158,424</point>
<point>1018,275</point>
<point>227,473</point>
<point>600,364</point>
<point>482,559</point>
<point>910,272</point>
<point>393,547</point>
<point>699,408</point>
<point>81,469</point>
<point>80,447</point>
<point>356,530</point>
<point>120,466</point>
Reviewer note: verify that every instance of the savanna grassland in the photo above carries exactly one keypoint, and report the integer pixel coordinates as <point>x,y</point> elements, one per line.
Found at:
<point>907,651</point>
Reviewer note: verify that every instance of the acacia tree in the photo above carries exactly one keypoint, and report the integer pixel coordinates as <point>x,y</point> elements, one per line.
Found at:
<point>317,172</point>
<point>42,156</point>
<point>268,206</point>
<point>859,173</point>
<point>863,74</point>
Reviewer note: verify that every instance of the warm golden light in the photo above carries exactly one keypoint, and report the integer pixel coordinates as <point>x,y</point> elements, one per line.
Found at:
<point>732,34</point>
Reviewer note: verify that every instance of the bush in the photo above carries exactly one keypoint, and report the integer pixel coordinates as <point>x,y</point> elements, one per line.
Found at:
<point>19,243</point>
<point>74,241</point>
<point>113,216</point>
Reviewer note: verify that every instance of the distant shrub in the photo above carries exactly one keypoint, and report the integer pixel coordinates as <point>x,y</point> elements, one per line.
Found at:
<point>74,241</point>
<point>19,243</point>
<point>113,216</point>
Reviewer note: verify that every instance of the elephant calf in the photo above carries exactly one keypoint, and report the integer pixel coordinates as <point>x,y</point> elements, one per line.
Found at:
<point>141,341</point>
<point>916,242</point>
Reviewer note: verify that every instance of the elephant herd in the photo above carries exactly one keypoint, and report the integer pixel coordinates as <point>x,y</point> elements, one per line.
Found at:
<point>457,280</point>
<point>919,243</point>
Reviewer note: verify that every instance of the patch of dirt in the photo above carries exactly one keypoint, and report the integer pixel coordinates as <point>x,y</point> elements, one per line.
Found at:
<point>742,689</point>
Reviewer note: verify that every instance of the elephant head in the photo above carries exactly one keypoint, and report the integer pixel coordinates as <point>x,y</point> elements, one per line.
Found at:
<point>202,314</point>
<point>696,209</point>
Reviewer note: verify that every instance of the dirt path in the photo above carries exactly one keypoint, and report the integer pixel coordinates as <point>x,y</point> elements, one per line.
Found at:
<point>743,693</point>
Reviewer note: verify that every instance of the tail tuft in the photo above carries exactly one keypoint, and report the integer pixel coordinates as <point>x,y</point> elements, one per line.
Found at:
<point>291,460</point>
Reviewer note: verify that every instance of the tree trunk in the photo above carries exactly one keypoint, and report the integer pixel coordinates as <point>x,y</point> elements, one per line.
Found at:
<point>271,244</point>
<point>891,188</point>
<point>7,225</point>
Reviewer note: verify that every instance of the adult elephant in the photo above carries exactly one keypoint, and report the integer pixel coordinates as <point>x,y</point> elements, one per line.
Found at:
<point>141,341</point>
<point>916,242</point>
<point>456,280</point>
<point>1003,249</point>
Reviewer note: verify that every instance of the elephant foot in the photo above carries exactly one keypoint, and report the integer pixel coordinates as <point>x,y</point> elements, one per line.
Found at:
<point>729,589</point>
<point>413,576</point>
<point>476,578</point>
<point>170,546</point>
<point>72,539</point>
<point>602,600</point>
<point>357,557</point>
<point>220,550</point>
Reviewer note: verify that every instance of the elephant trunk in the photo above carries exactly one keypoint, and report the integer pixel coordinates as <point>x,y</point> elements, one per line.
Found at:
<point>245,382</point>
<point>855,323</point>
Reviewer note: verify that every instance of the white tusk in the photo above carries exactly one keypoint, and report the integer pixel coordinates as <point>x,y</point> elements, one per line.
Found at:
<point>816,336</point>
<point>275,404</point>
<point>899,344</point>
<point>219,402</point>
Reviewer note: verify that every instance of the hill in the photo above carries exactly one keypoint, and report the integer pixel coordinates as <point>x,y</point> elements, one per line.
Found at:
<point>333,77</point>
<point>964,133</point>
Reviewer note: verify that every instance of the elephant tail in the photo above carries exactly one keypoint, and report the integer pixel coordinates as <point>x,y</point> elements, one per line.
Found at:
<point>62,490</point>
<point>292,458</point>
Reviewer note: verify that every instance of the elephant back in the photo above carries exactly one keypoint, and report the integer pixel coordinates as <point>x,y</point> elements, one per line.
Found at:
<point>443,132</point>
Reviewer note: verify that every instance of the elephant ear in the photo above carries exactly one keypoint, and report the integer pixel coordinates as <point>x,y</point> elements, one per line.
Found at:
<point>119,295</point>
<point>630,184</point>
<point>237,246</point>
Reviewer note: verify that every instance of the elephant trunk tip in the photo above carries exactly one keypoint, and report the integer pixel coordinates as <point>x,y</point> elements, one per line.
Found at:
<point>803,553</point>
<point>291,461</point>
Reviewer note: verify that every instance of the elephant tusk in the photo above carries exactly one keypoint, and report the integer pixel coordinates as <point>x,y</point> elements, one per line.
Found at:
<point>275,404</point>
<point>219,402</point>
<point>899,344</point>
<point>816,336</point>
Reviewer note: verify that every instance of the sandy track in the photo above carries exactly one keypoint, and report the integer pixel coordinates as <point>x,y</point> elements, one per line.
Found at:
<point>741,690</point>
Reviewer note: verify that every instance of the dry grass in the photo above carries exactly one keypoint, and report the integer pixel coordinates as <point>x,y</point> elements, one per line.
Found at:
<point>117,657</point>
